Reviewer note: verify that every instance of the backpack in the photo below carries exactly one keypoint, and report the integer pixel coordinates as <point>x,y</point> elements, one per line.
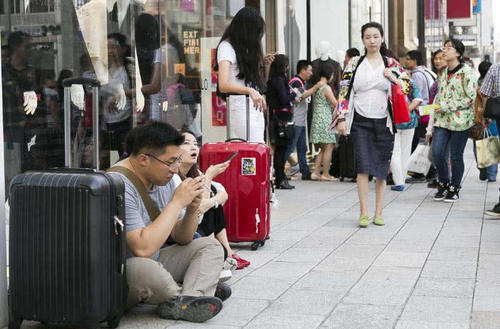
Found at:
<point>292,80</point>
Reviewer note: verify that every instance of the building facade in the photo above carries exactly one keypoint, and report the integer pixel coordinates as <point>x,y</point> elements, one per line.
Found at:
<point>158,56</point>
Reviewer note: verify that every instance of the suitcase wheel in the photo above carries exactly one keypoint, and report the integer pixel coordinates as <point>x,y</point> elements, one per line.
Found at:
<point>114,322</point>
<point>256,244</point>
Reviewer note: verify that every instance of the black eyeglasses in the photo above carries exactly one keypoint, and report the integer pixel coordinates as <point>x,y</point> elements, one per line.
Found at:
<point>174,165</point>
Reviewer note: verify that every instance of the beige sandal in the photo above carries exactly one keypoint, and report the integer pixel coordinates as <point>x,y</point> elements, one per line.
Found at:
<point>315,176</point>
<point>329,178</point>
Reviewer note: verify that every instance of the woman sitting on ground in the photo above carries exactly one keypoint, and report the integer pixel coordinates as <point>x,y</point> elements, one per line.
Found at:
<point>213,221</point>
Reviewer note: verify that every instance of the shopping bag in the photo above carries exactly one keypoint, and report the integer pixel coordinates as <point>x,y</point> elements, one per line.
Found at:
<point>419,160</point>
<point>399,105</point>
<point>488,150</point>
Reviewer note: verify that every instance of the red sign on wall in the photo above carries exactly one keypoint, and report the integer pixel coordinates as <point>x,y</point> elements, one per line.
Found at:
<point>218,111</point>
<point>432,9</point>
<point>459,9</point>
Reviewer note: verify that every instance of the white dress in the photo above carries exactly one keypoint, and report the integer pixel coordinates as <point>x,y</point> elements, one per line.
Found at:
<point>237,103</point>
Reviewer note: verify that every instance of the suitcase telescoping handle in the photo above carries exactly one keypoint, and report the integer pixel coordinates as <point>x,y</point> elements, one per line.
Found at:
<point>228,119</point>
<point>67,83</point>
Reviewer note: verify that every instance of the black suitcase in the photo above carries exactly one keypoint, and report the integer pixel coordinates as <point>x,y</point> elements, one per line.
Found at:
<point>346,158</point>
<point>67,246</point>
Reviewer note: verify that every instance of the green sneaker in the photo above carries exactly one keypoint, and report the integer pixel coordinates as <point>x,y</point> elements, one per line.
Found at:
<point>378,221</point>
<point>363,221</point>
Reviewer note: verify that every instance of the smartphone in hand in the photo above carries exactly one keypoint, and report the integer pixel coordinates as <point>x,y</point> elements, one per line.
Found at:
<point>232,156</point>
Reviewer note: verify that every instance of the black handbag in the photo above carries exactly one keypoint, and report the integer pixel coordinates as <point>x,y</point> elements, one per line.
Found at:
<point>492,108</point>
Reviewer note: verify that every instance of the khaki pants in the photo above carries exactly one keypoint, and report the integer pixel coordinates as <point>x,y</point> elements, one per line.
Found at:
<point>196,265</point>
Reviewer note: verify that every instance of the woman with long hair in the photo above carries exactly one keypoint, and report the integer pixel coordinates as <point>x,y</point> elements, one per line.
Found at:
<point>324,104</point>
<point>241,73</point>
<point>364,112</point>
<point>452,120</point>
<point>279,99</point>
<point>213,221</point>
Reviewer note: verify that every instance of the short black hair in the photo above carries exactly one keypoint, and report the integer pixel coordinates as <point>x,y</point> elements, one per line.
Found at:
<point>17,38</point>
<point>483,68</point>
<point>152,138</point>
<point>326,70</point>
<point>352,52</point>
<point>416,56</point>
<point>302,64</point>
<point>458,45</point>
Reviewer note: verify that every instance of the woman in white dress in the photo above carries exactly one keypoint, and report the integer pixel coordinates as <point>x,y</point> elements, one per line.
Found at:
<point>241,73</point>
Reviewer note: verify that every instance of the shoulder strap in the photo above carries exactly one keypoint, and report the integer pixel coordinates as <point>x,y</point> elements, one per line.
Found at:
<point>292,80</point>
<point>348,95</point>
<point>150,205</point>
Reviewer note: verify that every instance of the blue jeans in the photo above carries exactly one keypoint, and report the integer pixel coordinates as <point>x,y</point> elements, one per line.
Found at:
<point>457,141</point>
<point>299,141</point>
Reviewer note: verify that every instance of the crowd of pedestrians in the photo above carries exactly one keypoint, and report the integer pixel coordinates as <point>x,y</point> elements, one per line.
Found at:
<point>178,250</point>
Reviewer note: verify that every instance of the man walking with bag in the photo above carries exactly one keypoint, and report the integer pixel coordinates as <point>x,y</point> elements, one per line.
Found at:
<point>489,89</point>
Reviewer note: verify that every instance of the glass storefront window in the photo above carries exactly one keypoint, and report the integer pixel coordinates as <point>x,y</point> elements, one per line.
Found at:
<point>144,53</point>
<point>364,11</point>
<point>411,25</point>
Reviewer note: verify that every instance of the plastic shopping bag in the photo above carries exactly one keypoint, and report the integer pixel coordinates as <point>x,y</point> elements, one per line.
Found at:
<point>419,160</point>
<point>488,150</point>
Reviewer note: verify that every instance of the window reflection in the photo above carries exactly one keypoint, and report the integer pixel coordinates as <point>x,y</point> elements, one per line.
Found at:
<point>46,42</point>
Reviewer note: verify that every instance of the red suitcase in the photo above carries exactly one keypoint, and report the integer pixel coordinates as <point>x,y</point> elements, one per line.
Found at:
<point>247,182</point>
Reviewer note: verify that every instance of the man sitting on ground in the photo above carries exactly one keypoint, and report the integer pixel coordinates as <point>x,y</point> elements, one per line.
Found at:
<point>156,211</point>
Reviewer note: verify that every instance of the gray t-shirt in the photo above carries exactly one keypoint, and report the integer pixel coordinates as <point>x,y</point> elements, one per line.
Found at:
<point>299,109</point>
<point>136,215</point>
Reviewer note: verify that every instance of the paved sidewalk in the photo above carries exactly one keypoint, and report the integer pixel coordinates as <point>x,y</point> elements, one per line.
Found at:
<point>433,265</point>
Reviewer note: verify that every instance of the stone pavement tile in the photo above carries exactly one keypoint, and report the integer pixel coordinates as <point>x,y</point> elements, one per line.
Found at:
<point>356,251</point>
<point>303,255</point>
<point>489,263</point>
<point>461,242</point>
<point>431,325</point>
<point>437,309</point>
<point>190,325</point>
<point>485,320</point>
<point>449,269</point>
<point>252,287</point>
<point>370,236</point>
<point>402,259</point>
<point>308,302</point>
<point>286,272</point>
<point>238,312</point>
<point>379,293</point>
<point>411,245</point>
<point>419,235</point>
<point>307,224</point>
<point>359,316</point>
<point>454,254</point>
<point>461,288</point>
<point>320,242</point>
<point>329,231</point>
<point>491,234</point>
<point>486,303</point>
<point>489,287</point>
<point>329,281</point>
<point>490,247</point>
<point>276,320</point>
<point>288,235</point>
<point>393,274</point>
<point>342,264</point>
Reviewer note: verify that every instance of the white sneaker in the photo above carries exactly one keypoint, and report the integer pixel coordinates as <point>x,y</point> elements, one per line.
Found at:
<point>230,264</point>
<point>228,268</point>
<point>225,275</point>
